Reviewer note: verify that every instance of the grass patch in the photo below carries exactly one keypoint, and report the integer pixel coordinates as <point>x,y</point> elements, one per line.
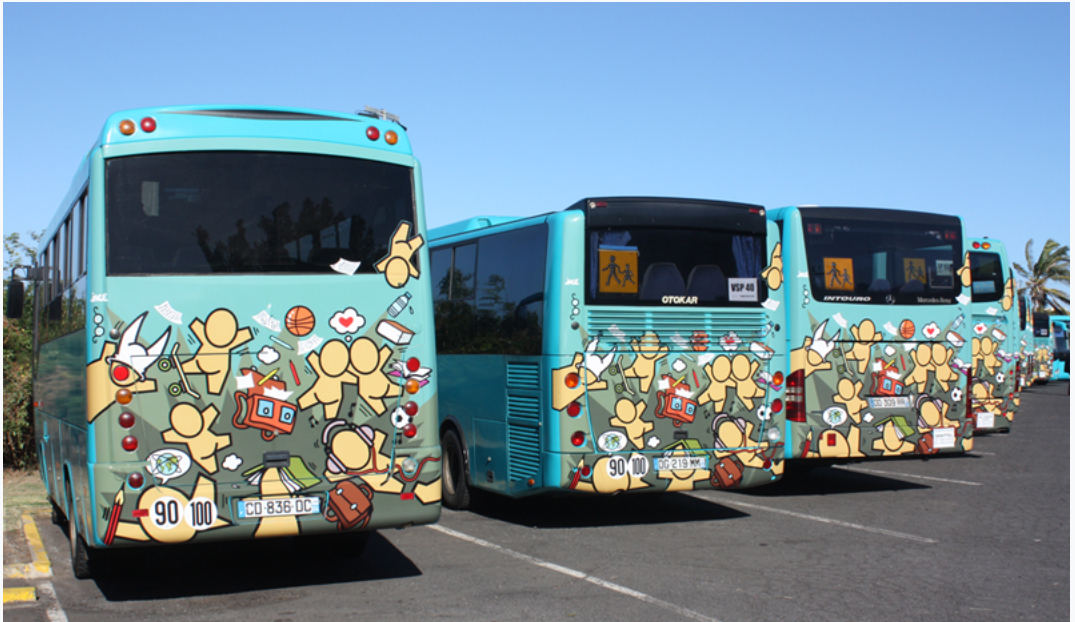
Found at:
<point>24,493</point>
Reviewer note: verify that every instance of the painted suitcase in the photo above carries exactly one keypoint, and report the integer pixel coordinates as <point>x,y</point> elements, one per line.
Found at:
<point>350,505</point>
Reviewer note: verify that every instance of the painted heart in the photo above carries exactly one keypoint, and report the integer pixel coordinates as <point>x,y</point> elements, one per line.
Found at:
<point>346,321</point>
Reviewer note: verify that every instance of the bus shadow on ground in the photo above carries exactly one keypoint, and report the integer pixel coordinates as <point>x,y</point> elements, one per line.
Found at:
<point>163,572</point>
<point>569,512</point>
<point>831,480</point>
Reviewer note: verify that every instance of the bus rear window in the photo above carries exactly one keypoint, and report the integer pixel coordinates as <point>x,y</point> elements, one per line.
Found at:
<point>669,266</point>
<point>251,212</point>
<point>882,262</point>
<point>987,277</point>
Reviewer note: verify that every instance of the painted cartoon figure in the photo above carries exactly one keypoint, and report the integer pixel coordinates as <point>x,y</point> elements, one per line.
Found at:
<point>847,393</point>
<point>719,371</point>
<point>397,266</point>
<point>331,368</point>
<point>811,356</point>
<point>162,516</point>
<point>219,335</point>
<point>366,366</point>
<point>629,417</point>
<point>774,274</point>
<point>865,335</point>
<point>122,366</point>
<point>191,427</point>
<point>648,351</point>
<point>746,388</point>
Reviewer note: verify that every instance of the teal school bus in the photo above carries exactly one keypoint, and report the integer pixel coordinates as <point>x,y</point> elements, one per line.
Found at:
<point>1044,347</point>
<point>1061,328</point>
<point>233,331</point>
<point>877,323</point>
<point>995,338</point>
<point>1027,372</point>
<point>623,344</point>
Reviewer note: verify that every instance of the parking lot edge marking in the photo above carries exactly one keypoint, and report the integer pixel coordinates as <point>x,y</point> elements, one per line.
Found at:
<point>694,615</point>
<point>40,559</point>
<point>820,519</point>
<point>19,594</point>
<point>890,474</point>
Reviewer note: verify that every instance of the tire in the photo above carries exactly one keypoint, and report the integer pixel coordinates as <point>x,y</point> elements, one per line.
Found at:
<point>58,517</point>
<point>80,553</point>
<point>455,473</point>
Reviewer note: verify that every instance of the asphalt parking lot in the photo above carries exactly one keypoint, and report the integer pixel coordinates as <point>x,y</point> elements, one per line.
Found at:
<point>980,537</point>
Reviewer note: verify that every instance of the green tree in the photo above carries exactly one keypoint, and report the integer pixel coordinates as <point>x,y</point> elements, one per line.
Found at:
<point>18,382</point>
<point>1039,274</point>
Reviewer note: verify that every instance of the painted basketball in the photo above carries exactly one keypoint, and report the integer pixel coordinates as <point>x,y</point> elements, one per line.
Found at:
<point>907,329</point>
<point>299,321</point>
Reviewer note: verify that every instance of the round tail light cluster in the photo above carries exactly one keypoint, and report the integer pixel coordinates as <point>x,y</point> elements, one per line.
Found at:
<point>127,127</point>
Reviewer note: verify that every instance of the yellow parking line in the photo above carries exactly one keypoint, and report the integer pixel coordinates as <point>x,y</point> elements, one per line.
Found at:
<point>19,594</point>
<point>40,559</point>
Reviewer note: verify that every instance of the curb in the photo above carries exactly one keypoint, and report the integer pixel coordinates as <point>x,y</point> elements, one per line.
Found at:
<point>38,568</point>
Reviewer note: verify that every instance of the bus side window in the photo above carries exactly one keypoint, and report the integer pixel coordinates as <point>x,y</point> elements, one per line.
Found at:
<point>440,273</point>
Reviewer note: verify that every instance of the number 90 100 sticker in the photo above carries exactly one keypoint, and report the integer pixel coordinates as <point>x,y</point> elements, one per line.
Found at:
<point>636,466</point>
<point>167,512</point>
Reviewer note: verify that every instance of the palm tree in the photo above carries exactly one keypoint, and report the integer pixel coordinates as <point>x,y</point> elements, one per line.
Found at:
<point>1052,265</point>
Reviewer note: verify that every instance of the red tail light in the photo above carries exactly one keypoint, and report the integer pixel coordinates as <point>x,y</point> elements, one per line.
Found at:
<point>795,397</point>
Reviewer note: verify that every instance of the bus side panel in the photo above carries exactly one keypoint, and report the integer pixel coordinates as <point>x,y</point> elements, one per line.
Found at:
<point>994,355</point>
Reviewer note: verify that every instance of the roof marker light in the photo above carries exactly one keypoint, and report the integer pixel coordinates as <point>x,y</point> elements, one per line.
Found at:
<point>149,124</point>
<point>126,127</point>
<point>373,133</point>
<point>391,137</point>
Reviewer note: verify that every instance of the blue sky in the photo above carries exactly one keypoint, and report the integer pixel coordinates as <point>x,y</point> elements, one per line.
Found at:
<point>516,109</point>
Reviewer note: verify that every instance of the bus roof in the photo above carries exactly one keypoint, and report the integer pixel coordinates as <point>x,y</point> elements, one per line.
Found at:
<point>470,224</point>
<point>235,121</point>
<point>865,213</point>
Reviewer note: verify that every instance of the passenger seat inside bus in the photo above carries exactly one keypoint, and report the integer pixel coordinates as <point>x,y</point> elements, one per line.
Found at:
<point>880,286</point>
<point>914,286</point>
<point>662,279</point>
<point>708,283</point>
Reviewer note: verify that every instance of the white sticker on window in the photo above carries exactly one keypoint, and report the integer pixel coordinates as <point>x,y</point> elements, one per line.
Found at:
<point>743,290</point>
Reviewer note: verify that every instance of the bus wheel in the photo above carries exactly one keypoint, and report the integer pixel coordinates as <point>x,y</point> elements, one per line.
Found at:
<point>456,489</point>
<point>80,553</point>
<point>57,514</point>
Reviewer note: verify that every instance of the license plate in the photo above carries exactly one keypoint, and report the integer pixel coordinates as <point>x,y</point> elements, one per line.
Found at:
<point>944,438</point>
<point>902,401</point>
<point>292,506</point>
<point>985,419</point>
<point>681,463</point>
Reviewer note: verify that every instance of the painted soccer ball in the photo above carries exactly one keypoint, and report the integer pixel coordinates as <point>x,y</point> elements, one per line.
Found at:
<point>1000,377</point>
<point>957,394</point>
<point>401,419</point>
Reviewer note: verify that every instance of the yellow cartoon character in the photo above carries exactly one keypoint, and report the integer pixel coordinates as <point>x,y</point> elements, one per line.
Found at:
<point>774,274</point>
<point>811,356</point>
<point>847,393</point>
<point>964,272</point>
<point>367,363</point>
<point>1009,295</point>
<point>331,369</point>
<point>648,351</point>
<point>984,350</point>
<point>122,366</point>
<point>865,335</point>
<point>942,371</point>
<point>893,432</point>
<point>922,356</point>
<point>834,444</point>
<point>219,335</point>
<point>629,417</point>
<point>398,266</point>
<point>719,371</point>
<point>743,370</point>
<point>190,427</point>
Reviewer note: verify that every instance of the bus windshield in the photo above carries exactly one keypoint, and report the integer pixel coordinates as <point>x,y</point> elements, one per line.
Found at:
<point>252,212</point>
<point>882,261</point>
<point>656,265</point>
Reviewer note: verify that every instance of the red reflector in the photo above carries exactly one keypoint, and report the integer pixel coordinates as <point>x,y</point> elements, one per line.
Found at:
<point>373,133</point>
<point>573,409</point>
<point>406,496</point>
<point>777,406</point>
<point>136,480</point>
<point>149,124</point>
<point>830,439</point>
<point>140,513</point>
<point>577,439</point>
